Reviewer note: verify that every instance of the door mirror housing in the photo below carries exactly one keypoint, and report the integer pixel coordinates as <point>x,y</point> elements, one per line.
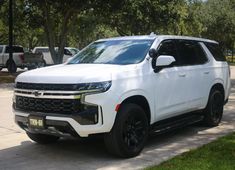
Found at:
<point>164,60</point>
<point>152,53</point>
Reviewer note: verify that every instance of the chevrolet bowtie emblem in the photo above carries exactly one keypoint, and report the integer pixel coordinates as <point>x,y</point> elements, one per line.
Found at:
<point>37,93</point>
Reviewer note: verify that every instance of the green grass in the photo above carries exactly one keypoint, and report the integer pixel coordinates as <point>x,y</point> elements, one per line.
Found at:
<point>7,80</point>
<point>7,77</point>
<point>218,155</point>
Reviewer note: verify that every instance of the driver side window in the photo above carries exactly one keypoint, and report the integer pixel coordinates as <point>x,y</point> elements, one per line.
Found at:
<point>168,47</point>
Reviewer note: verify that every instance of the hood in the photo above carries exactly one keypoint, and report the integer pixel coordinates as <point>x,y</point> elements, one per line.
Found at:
<point>70,74</point>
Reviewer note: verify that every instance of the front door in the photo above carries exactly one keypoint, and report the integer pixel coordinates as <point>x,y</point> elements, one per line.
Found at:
<point>171,85</point>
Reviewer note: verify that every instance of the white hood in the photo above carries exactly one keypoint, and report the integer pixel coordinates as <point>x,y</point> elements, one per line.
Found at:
<point>70,74</point>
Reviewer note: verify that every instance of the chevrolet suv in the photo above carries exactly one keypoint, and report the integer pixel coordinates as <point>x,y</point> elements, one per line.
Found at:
<point>125,88</point>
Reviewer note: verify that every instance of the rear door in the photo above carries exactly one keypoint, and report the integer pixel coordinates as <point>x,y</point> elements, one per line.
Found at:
<point>18,53</point>
<point>194,62</point>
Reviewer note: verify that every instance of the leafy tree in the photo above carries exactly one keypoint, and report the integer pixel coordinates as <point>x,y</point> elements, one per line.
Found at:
<point>143,16</point>
<point>219,21</point>
<point>57,18</point>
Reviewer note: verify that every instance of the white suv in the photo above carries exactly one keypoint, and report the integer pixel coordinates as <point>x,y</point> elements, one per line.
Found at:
<point>125,88</point>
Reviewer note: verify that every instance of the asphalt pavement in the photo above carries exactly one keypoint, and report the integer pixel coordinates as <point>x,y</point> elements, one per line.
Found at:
<point>17,152</point>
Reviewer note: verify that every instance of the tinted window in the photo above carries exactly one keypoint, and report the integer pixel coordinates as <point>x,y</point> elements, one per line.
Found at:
<point>119,52</point>
<point>1,48</point>
<point>16,49</point>
<point>67,52</point>
<point>215,51</point>
<point>190,53</point>
<point>168,47</point>
<point>42,50</point>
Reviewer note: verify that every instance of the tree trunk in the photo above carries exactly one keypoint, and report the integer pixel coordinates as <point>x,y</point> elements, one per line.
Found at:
<point>49,32</point>
<point>63,35</point>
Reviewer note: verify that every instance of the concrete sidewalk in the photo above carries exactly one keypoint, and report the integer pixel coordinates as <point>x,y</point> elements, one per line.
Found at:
<point>18,152</point>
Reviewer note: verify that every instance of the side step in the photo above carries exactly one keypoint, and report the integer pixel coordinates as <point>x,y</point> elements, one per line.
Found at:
<point>170,124</point>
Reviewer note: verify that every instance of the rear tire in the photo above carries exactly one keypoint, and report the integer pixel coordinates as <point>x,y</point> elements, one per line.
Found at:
<point>214,110</point>
<point>42,139</point>
<point>129,133</point>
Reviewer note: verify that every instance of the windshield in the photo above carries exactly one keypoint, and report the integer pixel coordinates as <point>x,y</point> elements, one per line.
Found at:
<point>120,52</point>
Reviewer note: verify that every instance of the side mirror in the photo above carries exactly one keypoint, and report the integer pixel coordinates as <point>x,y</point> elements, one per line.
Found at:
<point>153,53</point>
<point>164,60</point>
<point>67,52</point>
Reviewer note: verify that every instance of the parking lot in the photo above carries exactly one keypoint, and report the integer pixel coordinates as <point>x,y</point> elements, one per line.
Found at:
<point>18,152</point>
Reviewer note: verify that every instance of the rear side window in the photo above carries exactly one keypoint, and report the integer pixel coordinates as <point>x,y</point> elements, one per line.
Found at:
<point>16,49</point>
<point>1,48</point>
<point>190,53</point>
<point>215,51</point>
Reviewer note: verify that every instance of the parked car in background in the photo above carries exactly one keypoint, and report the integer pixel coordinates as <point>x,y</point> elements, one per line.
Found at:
<point>33,60</point>
<point>72,50</point>
<point>18,57</point>
<point>68,52</point>
<point>21,59</point>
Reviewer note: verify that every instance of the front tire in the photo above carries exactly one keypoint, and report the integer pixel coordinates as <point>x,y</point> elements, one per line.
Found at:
<point>129,133</point>
<point>42,139</point>
<point>214,110</point>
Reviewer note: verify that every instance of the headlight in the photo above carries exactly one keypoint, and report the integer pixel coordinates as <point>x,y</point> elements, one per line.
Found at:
<point>94,87</point>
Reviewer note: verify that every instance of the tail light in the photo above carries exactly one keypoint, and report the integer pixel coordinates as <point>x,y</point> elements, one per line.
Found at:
<point>21,57</point>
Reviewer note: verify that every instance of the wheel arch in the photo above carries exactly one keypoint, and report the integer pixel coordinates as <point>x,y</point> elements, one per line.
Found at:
<point>141,101</point>
<point>219,86</point>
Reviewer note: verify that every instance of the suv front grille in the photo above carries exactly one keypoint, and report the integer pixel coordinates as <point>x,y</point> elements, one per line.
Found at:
<point>41,86</point>
<point>58,106</point>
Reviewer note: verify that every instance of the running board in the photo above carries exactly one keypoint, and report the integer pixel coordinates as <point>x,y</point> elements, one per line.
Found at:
<point>175,123</point>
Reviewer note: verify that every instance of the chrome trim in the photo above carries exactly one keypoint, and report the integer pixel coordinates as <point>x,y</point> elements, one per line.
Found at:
<point>57,92</point>
<point>19,113</point>
<point>49,96</point>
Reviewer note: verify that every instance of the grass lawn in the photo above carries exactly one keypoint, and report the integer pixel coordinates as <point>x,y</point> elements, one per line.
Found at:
<point>218,155</point>
<point>7,77</point>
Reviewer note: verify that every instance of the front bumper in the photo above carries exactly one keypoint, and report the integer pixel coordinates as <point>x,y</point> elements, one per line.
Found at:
<point>58,125</point>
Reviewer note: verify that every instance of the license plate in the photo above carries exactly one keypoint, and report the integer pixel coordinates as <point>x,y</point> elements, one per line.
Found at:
<point>36,122</point>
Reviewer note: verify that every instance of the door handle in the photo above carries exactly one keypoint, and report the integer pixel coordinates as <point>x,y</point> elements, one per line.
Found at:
<point>206,72</point>
<point>182,75</point>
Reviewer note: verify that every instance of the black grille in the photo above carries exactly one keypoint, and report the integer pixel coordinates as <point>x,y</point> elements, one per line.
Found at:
<point>59,106</point>
<point>41,86</point>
